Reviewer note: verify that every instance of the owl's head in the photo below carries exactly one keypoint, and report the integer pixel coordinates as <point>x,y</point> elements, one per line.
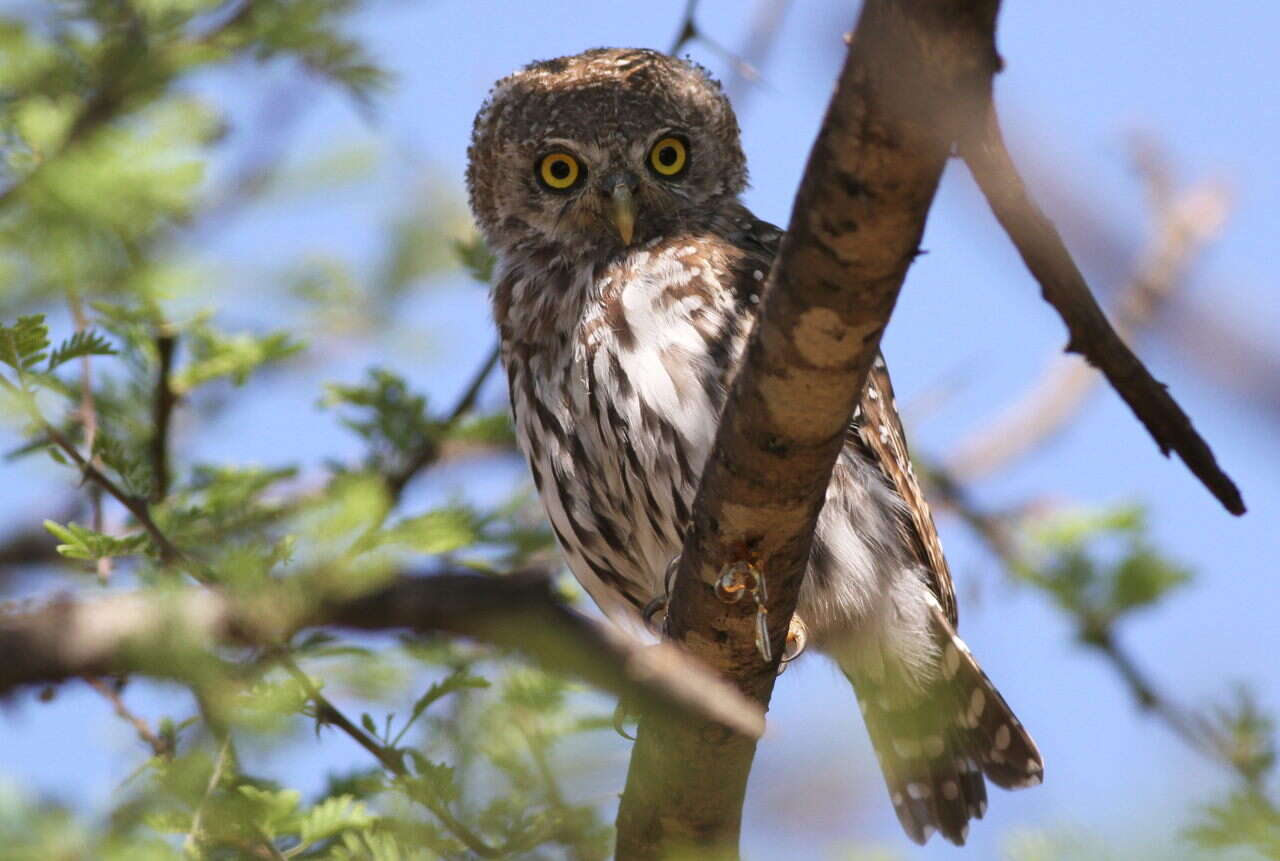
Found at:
<point>601,150</point>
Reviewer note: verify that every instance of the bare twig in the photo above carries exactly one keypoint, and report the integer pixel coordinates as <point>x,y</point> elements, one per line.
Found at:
<point>1090,334</point>
<point>689,31</point>
<point>762,36</point>
<point>1183,226</point>
<point>913,73</point>
<point>159,746</point>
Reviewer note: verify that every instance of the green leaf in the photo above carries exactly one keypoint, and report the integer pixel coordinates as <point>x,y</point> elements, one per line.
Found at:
<point>441,531</point>
<point>23,345</point>
<point>331,817</point>
<point>272,809</point>
<point>1142,578</point>
<point>477,257</point>
<point>83,343</point>
<point>459,680</point>
<point>366,721</point>
<point>1246,818</point>
<point>79,542</point>
<point>215,355</point>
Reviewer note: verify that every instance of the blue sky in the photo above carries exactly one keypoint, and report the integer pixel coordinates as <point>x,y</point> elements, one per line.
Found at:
<point>1198,77</point>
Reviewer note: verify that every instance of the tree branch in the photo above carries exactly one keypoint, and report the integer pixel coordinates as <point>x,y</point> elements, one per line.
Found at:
<point>1090,335</point>
<point>912,76</point>
<point>1182,227</point>
<point>133,632</point>
<point>163,400</point>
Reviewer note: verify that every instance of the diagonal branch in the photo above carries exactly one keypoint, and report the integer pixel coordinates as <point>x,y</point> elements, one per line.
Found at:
<point>1090,335</point>
<point>913,73</point>
<point>1183,225</point>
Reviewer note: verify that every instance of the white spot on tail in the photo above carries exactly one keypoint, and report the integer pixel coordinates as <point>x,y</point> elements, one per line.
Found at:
<point>933,746</point>
<point>951,660</point>
<point>950,790</point>
<point>976,704</point>
<point>918,791</point>
<point>1002,737</point>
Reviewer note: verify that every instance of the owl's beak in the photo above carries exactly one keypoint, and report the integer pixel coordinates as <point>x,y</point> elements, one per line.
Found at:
<point>622,209</point>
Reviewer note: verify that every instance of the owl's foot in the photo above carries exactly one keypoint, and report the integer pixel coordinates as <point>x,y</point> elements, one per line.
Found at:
<point>797,640</point>
<point>655,615</point>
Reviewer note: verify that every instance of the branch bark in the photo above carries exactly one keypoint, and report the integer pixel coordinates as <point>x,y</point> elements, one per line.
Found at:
<point>136,632</point>
<point>913,75</point>
<point>1089,332</point>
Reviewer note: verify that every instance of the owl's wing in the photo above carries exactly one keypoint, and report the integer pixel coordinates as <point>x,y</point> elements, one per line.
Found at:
<point>877,435</point>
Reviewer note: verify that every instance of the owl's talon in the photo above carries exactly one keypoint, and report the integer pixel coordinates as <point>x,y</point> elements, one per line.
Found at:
<point>797,640</point>
<point>651,612</point>
<point>621,714</point>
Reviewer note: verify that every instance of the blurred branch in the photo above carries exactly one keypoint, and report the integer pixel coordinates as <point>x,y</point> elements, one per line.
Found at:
<point>905,94</point>
<point>766,24</point>
<point>689,31</point>
<point>163,400</point>
<point>159,746</point>
<point>33,546</point>
<point>1090,335</point>
<point>136,632</point>
<point>1182,226</point>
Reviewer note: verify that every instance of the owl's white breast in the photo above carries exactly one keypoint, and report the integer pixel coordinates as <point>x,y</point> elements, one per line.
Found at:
<point>637,393</point>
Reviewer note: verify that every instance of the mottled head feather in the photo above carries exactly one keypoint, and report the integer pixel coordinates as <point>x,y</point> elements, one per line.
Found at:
<point>607,107</point>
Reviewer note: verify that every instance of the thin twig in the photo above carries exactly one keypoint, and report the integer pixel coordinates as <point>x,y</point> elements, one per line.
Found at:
<point>159,746</point>
<point>89,421</point>
<point>429,451</point>
<point>689,31</point>
<point>191,845</point>
<point>163,400</point>
<point>389,758</point>
<point>135,505</point>
<point>1090,335</point>
<point>766,24</point>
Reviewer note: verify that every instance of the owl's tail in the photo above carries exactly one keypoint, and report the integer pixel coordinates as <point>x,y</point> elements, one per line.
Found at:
<point>936,739</point>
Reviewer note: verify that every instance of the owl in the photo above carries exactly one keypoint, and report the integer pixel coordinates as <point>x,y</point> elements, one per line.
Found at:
<point>628,280</point>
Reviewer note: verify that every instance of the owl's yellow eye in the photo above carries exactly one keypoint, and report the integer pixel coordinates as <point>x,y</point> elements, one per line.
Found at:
<point>669,156</point>
<point>559,171</point>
